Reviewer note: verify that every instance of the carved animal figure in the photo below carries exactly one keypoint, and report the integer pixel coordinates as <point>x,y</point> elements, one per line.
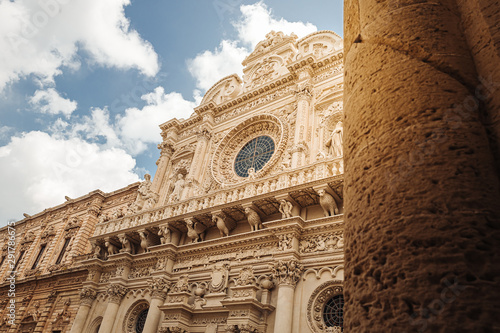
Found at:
<point>111,248</point>
<point>144,241</point>
<point>253,219</point>
<point>126,245</point>
<point>328,203</point>
<point>221,225</point>
<point>196,231</point>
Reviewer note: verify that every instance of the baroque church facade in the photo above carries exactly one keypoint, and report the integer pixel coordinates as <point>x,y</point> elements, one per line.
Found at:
<point>241,229</point>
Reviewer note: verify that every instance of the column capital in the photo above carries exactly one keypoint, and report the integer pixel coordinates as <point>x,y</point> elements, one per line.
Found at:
<point>159,287</point>
<point>87,295</point>
<point>287,272</point>
<point>116,292</point>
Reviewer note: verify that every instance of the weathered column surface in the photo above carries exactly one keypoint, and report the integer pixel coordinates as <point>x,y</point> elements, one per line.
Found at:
<point>159,287</point>
<point>286,273</point>
<point>87,296</point>
<point>115,293</point>
<point>421,188</point>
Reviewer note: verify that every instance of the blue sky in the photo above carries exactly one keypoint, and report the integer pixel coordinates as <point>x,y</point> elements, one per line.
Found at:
<point>84,84</point>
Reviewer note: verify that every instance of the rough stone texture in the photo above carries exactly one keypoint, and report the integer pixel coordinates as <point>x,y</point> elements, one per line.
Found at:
<point>481,23</point>
<point>421,196</point>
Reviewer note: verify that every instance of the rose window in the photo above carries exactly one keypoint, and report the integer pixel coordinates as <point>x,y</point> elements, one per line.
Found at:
<point>333,312</point>
<point>251,147</point>
<point>254,155</point>
<point>141,321</point>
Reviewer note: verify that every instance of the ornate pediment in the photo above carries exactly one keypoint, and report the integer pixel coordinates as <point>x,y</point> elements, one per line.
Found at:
<point>319,44</point>
<point>273,41</point>
<point>224,90</point>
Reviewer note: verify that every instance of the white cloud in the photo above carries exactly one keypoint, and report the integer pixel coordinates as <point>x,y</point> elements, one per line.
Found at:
<point>49,101</point>
<point>208,67</point>
<point>42,37</point>
<point>138,127</point>
<point>132,131</point>
<point>37,170</point>
<point>257,21</point>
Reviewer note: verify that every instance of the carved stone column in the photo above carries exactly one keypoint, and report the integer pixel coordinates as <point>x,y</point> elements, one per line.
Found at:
<point>166,152</point>
<point>87,296</point>
<point>286,274</point>
<point>115,293</point>
<point>421,189</point>
<point>302,130</point>
<point>159,288</point>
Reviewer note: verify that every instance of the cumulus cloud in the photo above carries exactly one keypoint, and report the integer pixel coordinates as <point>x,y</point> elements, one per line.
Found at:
<point>132,131</point>
<point>37,170</point>
<point>255,22</point>
<point>210,66</point>
<point>138,127</point>
<point>43,37</point>
<point>49,101</point>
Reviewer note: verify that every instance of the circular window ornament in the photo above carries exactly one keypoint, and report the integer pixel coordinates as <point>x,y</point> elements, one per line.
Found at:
<point>141,321</point>
<point>325,309</point>
<point>254,155</point>
<point>135,318</point>
<point>252,148</point>
<point>333,312</point>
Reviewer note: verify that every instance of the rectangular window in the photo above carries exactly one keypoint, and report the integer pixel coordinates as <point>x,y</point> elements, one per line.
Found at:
<point>18,260</point>
<point>63,250</point>
<point>39,256</point>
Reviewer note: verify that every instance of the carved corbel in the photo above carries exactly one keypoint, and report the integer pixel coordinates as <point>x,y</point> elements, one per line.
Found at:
<point>286,200</point>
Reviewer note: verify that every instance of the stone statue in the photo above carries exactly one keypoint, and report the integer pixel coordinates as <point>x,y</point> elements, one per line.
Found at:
<point>146,198</point>
<point>164,233</point>
<point>251,173</point>
<point>285,209</point>
<point>144,241</point>
<point>253,219</point>
<point>126,245</point>
<point>221,225</point>
<point>335,144</point>
<point>178,187</point>
<point>110,247</point>
<point>196,231</point>
<point>327,202</point>
<point>97,251</point>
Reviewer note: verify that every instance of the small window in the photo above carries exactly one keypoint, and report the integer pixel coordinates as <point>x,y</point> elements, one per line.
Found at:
<point>39,256</point>
<point>333,312</point>
<point>19,259</point>
<point>63,250</point>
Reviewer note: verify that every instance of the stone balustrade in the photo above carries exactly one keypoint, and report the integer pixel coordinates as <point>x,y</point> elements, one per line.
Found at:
<point>323,170</point>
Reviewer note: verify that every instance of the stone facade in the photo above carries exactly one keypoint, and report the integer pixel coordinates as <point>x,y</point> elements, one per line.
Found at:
<point>226,237</point>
